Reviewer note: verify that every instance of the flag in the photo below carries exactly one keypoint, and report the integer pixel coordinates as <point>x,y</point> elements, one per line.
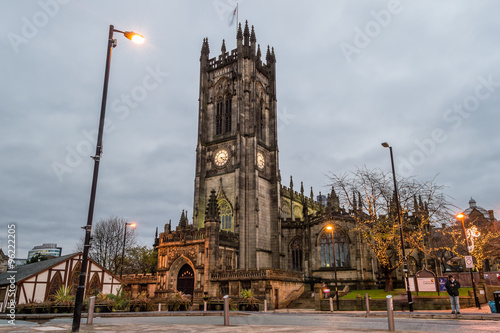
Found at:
<point>233,16</point>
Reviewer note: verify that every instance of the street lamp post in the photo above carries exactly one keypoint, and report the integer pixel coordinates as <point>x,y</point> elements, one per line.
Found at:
<point>77,315</point>
<point>132,225</point>
<point>405,261</point>
<point>462,218</point>
<point>334,268</point>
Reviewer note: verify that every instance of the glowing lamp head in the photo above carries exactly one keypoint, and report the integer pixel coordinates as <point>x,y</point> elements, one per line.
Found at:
<point>135,37</point>
<point>460,216</point>
<point>132,225</point>
<point>330,228</point>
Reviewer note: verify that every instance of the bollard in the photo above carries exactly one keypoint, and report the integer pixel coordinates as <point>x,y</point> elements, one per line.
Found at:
<point>265,305</point>
<point>226,310</point>
<point>204,305</point>
<point>331,304</point>
<point>90,316</point>
<point>367,303</point>
<point>159,307</point>
<point>390,313</point>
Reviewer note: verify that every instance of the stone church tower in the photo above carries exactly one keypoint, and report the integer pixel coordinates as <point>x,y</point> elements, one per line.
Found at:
<point>237,150</point>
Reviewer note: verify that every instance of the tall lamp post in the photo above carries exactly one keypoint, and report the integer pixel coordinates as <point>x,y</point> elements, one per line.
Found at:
<point>462,218</point>
<point>132,225</point>
<point>405,261</point>
<point>334,268</point>
<point>77,315</point>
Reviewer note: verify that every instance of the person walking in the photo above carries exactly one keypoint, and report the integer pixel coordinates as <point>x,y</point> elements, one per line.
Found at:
<point>452,287</point>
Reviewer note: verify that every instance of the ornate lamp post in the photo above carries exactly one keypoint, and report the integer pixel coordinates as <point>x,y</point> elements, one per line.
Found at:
<point>77,315</point>
<point>329,227</point>
<point>405,261</point>
<point>470,248</point>
<point>132,225</point>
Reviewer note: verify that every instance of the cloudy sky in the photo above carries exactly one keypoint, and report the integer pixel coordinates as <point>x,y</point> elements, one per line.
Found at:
<point>421,75</point>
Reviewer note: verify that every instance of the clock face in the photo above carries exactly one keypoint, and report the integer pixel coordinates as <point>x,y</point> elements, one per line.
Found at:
<point>260,161</point>
<point>221,157</point>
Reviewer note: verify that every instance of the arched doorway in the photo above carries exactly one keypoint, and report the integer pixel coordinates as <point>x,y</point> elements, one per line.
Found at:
<point>185,280</point>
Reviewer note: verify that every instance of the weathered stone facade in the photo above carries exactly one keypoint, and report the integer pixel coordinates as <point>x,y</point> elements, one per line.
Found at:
<point>249,231</point>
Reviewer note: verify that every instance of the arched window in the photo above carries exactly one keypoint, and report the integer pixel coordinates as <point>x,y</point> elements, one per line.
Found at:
<point>218,117</point>
<point>75,277</point>
<point>342,255</point>
<point>226,215</point>
<point>412,266</point>
<point>228,114</point>
<point>296,253</point>
<point>261,119</point>
<point>95,286</point>
<point>55,285</point>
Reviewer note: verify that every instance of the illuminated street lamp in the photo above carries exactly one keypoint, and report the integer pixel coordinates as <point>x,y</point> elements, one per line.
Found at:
<point>77,315</point>
<point>330,228</point>
<point>132,225</point>
<point>405,261</point>
<point>461,217</point>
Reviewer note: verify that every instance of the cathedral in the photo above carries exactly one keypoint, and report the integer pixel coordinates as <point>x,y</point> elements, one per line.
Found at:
<point>249,231</point>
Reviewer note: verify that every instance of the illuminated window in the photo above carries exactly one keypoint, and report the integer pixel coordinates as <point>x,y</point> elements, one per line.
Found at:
<point>342,255</point>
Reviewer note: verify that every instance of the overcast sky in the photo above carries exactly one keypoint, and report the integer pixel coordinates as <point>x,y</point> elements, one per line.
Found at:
<point>421,75</point>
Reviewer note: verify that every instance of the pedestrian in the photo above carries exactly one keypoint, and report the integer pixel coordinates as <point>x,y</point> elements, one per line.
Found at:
<point>452,287</point>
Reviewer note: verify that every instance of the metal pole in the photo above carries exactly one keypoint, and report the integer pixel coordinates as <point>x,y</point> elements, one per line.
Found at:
<point>335,269</point>
<point>77,315</point>
<point>405,262</point>
<point>478,305</point>
<point>331,304</point>
<point>90,316</point>
<point>367,302</point>
<point>226,310</point>
<point>123,251</point>
<point>390,313</point>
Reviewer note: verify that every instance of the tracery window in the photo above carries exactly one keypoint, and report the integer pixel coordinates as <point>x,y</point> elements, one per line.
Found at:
<point>342,254</point>
<point>218,118</point>
<point>226,215</point>
<point>228,114</point>
<point>296,253</point>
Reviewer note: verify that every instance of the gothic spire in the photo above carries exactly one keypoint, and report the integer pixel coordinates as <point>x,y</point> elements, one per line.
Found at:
<point>253,39</point>
<point>246,33</point>
<point>212,211</point>
<point>239,34</point>
<point>258,52</point>
<point>268,55</point>
<point>223,48</point>
<point>312,194</point>
<point>183,220</point>
<point>302,188</point>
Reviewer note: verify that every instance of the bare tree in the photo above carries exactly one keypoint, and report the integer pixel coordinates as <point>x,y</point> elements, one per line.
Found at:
<point>370,195</point>
<point>106,245</point>
<point>486,245</point>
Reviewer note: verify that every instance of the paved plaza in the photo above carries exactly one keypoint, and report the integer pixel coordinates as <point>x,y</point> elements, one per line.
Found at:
<point>471,320</point>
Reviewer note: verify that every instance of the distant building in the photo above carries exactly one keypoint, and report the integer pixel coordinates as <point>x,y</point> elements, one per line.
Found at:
<point>47,250</point>
<point>4,259</point>
<point>484,219</point>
